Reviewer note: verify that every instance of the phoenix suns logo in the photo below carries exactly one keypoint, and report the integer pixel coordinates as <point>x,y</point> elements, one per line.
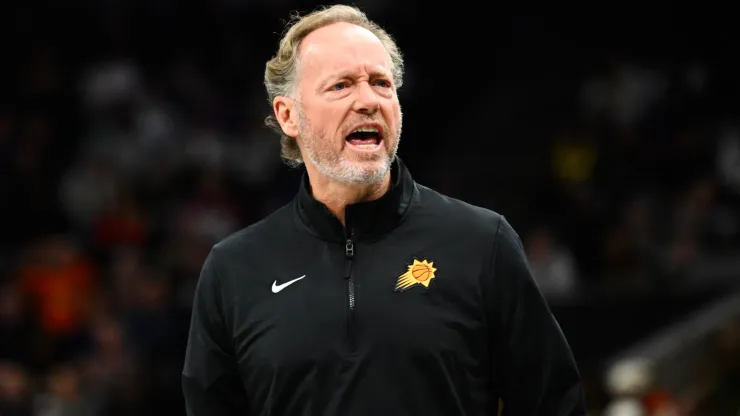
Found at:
<point>418,273</point>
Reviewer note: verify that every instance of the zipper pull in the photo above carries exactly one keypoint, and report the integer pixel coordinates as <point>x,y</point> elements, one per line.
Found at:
<point>349,248</point>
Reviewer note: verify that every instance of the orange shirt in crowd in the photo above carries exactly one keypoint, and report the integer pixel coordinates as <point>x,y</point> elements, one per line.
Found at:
<point>62,294</point>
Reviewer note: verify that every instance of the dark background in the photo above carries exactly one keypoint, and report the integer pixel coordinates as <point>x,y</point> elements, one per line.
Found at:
<point>131,140</point>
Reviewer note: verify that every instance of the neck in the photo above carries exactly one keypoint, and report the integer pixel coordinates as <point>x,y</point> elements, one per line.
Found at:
<point>337,196</point>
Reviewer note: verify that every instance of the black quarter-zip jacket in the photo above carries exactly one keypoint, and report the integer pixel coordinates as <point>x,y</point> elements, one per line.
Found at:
<point>420,305</point>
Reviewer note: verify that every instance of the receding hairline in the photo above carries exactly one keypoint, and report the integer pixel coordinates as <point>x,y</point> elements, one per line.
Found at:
<point>300,51</point>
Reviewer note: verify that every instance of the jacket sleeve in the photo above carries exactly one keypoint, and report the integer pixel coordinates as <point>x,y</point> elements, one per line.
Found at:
<point>534,371</point>
<point>210,380</point>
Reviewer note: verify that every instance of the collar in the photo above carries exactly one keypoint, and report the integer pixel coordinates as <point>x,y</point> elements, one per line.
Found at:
<point>366,220</point>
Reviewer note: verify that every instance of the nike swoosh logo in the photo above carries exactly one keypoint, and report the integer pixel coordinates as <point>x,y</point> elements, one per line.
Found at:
<point>277,288</point>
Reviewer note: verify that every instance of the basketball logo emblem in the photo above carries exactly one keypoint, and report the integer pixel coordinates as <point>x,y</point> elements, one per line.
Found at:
<point>419,273</point>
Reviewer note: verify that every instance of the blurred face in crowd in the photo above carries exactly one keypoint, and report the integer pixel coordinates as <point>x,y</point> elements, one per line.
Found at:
<point>347,117</point>
<point>14,382</point>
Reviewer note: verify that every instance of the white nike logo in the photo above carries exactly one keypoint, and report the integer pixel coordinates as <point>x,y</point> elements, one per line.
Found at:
<point>276,288</point>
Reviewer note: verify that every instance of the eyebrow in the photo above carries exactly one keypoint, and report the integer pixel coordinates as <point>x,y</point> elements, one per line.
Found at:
<point>351,74</point>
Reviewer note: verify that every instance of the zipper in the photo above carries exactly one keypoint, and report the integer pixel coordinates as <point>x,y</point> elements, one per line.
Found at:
<point>349,253</point>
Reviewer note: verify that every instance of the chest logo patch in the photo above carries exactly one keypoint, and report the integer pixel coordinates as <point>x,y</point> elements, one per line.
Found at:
<point>419,273</point>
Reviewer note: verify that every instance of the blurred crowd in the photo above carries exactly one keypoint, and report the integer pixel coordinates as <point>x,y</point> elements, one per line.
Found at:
<point>706,383</point>
<point>120,169</point>
<point>643,184</point>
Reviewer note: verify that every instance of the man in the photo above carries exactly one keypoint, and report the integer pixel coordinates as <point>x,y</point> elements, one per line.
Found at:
<point>368,294</point>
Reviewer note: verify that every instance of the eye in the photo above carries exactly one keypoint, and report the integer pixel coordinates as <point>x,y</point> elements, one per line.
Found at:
<point>382,83</point>
<point>339,86</point>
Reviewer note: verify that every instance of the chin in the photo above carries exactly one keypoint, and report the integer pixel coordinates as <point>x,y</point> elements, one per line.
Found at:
<point>364,172</point>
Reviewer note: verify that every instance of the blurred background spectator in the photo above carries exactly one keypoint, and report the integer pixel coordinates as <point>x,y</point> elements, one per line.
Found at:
<point>132,139</point>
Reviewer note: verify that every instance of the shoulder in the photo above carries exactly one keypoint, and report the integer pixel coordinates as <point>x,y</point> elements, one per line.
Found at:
<point>253,238</point>
<point>486,227</point>
<point>459,214</point>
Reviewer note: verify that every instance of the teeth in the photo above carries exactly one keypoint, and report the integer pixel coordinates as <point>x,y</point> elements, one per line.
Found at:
<point>368,129</point>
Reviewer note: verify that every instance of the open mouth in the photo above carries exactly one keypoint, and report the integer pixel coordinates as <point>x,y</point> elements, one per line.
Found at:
<point>368,138</point>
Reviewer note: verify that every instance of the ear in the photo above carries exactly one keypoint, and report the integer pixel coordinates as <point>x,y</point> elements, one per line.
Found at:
<point>286,114</point>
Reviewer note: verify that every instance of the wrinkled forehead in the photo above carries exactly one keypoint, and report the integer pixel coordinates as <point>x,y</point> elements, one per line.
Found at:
<point>342,48</point>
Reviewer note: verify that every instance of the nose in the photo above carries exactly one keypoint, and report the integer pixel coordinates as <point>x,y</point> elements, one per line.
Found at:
<point>367,101</point>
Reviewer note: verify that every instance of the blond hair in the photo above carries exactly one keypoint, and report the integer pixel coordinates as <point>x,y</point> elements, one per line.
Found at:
<point>282,70</point>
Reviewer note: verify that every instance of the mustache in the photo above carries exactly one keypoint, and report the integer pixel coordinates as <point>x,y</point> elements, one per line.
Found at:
<point>350,124</point>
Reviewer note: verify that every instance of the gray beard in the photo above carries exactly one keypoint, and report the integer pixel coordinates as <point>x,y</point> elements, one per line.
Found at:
<point>336,167</point>
<point>342,171</point>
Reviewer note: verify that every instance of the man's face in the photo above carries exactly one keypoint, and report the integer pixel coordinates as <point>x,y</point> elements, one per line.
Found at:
<point>349,117</point>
